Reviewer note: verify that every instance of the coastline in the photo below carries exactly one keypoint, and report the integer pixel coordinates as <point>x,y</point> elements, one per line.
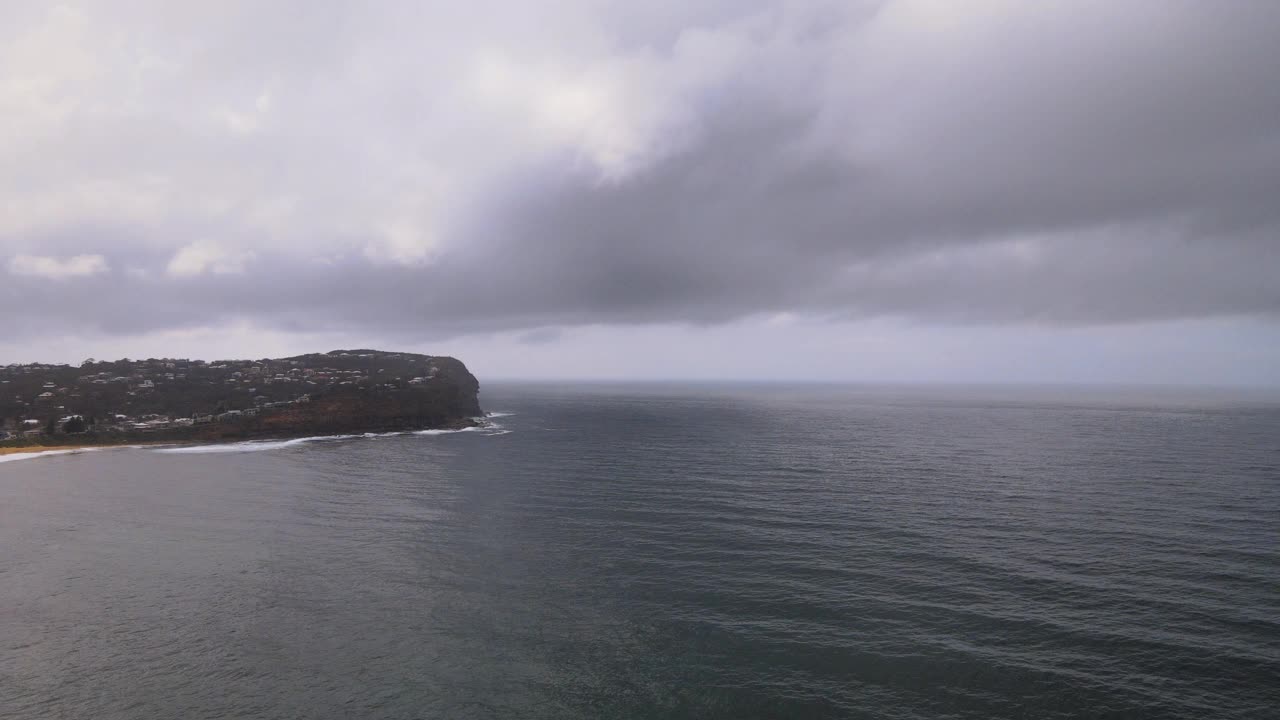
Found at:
<point>37,449</point>
<point>30,452</point>
<point>176,401</point>
<point>27,452</point>
<point>17,454</point>
<point>79,447</point>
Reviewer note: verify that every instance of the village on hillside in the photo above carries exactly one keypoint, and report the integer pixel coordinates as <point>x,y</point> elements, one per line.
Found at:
<point>157,395</point>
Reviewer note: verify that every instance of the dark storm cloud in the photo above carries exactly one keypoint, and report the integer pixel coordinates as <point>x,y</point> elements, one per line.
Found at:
<point>1074,163</point>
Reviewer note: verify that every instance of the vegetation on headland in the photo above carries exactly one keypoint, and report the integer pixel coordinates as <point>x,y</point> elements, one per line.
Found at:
<point>171,400</point>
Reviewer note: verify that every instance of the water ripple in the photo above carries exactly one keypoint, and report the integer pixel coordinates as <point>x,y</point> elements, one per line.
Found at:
<point>665,552</point>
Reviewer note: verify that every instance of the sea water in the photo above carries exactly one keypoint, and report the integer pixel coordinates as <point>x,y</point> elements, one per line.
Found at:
<point>664,551</point>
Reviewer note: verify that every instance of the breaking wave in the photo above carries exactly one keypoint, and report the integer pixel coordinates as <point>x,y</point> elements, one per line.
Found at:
<point>487,428</point>
<point>250,445</point>
<point>478,428</point>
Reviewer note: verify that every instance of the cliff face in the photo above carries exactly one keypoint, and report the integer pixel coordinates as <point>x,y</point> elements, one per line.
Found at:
<point>449,399</point>
<point>465,397</point>
<point>443,406</point>
<point>343,391</point>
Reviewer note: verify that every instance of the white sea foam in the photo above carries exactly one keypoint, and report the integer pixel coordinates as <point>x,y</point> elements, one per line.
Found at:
<point>498,414</point>
<point>478,428</point>
<point>261,445</point>
<point>250,445</point>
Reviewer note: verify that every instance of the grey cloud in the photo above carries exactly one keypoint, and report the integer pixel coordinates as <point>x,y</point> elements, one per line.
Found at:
<point>541,336</point>
<point>1062,163</point>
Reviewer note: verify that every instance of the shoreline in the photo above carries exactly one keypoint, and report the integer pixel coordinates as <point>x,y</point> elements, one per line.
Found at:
<point>38,449</point>
<point>28,452</point>
<point>32,451</point>
<point>19,454</point>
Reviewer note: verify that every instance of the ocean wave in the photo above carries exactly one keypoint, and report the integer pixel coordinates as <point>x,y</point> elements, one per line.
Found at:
<point>498,414</point>
<point>250,445</point>
<point>477,428</point>
<point>261,445</point>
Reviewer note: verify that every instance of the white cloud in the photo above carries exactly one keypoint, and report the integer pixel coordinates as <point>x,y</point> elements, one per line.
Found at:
<point>49,70</point>
<point>106,120</point>
<point>203,257</point>
<point>245,122</point>
<point>621,110</point>
<point>58,268</point>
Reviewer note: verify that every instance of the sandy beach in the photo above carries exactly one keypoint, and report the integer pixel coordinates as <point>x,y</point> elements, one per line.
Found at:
<point>35,449</point>
<point>31,453</point>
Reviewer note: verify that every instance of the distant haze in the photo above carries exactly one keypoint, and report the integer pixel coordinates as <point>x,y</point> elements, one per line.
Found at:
<point>892,191</point>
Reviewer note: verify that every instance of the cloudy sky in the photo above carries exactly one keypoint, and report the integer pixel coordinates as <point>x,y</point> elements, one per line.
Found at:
<point>877,191</point>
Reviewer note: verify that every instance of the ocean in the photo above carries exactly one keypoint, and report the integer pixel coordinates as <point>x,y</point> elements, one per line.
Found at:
<point>668,551</point>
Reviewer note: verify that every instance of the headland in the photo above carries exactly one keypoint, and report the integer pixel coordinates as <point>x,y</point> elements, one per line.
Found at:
<point>167,400</point>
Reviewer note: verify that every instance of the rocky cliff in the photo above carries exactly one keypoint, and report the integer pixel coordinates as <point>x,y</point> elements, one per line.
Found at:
<point>343,391</point>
